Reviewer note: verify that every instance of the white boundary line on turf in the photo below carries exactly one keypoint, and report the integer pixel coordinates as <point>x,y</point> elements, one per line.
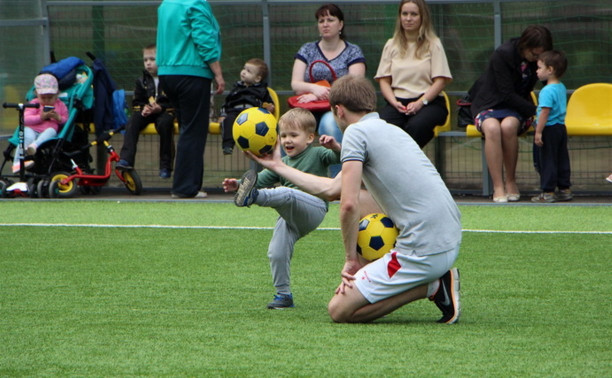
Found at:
<point>538,232</point>
<point>96,225</point>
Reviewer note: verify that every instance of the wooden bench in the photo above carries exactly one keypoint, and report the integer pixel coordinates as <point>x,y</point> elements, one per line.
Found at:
<point>215,127</point>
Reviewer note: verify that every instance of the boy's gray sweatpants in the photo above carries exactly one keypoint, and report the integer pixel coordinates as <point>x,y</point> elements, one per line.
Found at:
<point>299,213</point>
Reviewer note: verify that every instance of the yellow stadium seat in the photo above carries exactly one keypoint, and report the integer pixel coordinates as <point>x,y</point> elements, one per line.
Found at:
<point>589,110</point>
<point>447,124</point>
<point>215,127</point>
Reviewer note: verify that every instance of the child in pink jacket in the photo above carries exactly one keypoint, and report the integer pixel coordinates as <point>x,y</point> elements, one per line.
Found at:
<point>41,124</point>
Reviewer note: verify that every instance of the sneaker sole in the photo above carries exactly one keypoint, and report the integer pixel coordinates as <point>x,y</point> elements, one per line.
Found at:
<point>279,307</point>
<point>540,199</point>
<point>455,296</point>
<point>247,182</point>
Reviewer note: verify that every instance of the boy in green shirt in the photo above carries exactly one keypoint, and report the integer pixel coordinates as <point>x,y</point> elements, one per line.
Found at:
<point>299,212</point>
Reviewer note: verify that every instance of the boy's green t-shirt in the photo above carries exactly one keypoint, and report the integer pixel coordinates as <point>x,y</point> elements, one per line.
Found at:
<point>314,159</point>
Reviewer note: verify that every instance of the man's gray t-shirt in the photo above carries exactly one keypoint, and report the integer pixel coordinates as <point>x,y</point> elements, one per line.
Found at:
<point>405,184</point>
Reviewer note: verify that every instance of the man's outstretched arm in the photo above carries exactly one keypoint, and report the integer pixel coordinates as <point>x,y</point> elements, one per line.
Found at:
<point>323,187</point>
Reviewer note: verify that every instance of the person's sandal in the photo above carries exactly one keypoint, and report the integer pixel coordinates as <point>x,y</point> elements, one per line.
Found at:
<point>501,199</point>
<point>514,197</point>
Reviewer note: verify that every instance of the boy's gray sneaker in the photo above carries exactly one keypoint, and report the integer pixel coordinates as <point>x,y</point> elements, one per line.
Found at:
<point>564,195</point>
<point>281,301</point>
<point>246,193</point>
<point>544,197</point>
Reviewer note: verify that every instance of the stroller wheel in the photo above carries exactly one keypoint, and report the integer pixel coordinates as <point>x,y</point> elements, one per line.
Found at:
<point>32,188</point>
<point>3,185</point>
<point>42,189</point>
<point>59,190</point>
<point>132,182</point>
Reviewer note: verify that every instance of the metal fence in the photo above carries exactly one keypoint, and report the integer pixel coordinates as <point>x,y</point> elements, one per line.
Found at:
<point>273,29</point>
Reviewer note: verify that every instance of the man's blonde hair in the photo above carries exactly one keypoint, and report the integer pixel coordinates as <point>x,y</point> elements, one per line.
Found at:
<point>298,118</point>
<point>355,93</point>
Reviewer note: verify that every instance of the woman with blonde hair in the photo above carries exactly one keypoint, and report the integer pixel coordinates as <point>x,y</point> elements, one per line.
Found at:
<point>412,72</point>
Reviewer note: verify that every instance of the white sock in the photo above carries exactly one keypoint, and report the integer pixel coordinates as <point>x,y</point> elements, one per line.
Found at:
<point>432,288</point>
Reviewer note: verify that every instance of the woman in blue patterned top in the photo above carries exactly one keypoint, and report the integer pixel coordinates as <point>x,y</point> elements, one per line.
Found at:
<point>344,57</point>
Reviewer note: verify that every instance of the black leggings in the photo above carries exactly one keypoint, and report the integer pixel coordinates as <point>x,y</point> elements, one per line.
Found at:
<point>419,126</point>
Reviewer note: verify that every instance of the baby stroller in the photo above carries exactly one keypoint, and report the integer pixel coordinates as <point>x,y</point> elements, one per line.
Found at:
<point>75,80</point>
<point>62,163</point>
<point>109,118</point>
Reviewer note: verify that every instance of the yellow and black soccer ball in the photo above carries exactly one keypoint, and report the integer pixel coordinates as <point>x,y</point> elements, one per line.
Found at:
<point>255,130</point>
<point>377,234</point>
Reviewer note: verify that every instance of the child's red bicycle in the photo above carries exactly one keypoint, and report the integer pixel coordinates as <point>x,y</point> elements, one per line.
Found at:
<point>64,184</point>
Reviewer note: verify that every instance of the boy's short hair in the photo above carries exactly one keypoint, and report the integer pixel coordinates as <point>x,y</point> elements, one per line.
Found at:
<point>555,59</point>
<point>299,118</point>
<point>262,67</point>
<point>355,93</point>
<point>152,46</point>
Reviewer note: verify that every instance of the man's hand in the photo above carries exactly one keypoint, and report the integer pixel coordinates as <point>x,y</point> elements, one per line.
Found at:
<point>348,274</point>
<point>268,160</point>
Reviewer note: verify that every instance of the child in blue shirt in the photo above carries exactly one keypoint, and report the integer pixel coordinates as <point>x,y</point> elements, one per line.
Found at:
<point>550,141</point>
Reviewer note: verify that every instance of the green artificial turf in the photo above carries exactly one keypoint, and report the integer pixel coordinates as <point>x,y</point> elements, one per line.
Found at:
<point>113,301</point>
<point>549,217</point>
